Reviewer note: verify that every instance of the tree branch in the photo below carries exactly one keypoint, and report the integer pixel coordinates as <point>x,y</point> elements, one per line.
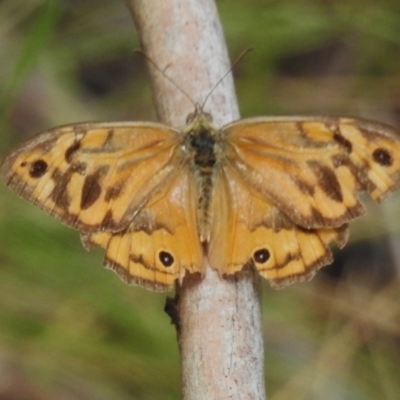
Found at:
<point>220,335</point>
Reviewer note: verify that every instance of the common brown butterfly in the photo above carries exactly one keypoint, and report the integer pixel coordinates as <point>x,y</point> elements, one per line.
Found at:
<point>271,192</point>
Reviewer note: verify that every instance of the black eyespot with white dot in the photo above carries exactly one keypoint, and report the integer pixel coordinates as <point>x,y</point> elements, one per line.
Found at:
<point>166,258</point>
<point>382,157</point>
<point>261,256</point>
<point>37,169</point>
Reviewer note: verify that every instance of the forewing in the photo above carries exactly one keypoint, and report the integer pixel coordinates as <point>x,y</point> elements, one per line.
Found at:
<point>93,177</point>
<point>313,169</point>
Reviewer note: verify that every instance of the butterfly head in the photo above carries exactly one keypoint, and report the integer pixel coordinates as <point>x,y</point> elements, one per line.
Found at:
<point>198,115</point>
<point>199,123</point>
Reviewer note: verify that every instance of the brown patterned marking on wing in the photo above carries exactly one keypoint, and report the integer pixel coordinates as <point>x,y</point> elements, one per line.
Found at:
<point>32,171</point>
<point>69,153</point>
<point>301,265</point>
<point>146,221</point>
<point>377,155</point>
<point>126,255</point>
<point>310,135</point>
<point>109,140</point>
<point>113,192</point>
<point>138,281</point>
<point>327,180</point>
<point>167,259</point>
<point>59,195</point>
<point>383,157</point>
<point>108,220</point>
<point>345,143</point>
<point>92,187</point>
<point>290,259</point>
<point>319,133</point>
<point>295,255</point>
<point>37,169</point>
<point>261,256</point>
<point>343,164</point>
<point>137,259</point>
<point>303,186</point>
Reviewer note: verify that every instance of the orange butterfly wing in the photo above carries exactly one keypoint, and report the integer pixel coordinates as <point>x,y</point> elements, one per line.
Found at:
<point>253,230</point>
<point>124,186</point>
<point>162,243</point>
<point>288,186</point>
<point>313,169</point>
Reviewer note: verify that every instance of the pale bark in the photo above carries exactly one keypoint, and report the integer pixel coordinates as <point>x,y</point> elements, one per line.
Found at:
<point>220,335</point>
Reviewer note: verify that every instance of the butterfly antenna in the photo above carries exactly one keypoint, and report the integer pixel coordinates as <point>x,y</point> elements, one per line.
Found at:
<point>240,57</point>
<point>162,72</point>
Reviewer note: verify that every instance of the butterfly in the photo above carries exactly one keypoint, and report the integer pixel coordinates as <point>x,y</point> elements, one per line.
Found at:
<point>268,192</point>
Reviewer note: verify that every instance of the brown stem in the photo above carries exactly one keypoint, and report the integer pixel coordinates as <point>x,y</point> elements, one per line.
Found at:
<point>220,335</point>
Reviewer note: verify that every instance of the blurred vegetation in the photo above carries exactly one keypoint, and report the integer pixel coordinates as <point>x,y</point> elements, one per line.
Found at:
<point>70,329</point>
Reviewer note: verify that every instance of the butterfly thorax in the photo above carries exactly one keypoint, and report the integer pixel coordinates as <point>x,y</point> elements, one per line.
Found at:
<point>203,146</point>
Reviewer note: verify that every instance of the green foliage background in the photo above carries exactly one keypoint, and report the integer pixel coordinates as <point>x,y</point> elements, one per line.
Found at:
<point>70,329</point>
